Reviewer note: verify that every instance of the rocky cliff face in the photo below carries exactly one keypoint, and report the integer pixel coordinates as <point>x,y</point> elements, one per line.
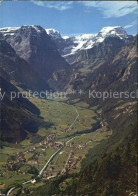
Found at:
<point>17,71</point>
<point>87,62</point>
<point>23,38</point>
<point>100,53</point>
<point>34,45</point>
<point>118,74</point>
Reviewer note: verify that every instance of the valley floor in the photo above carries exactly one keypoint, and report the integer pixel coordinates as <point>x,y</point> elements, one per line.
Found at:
<point>74,129</point>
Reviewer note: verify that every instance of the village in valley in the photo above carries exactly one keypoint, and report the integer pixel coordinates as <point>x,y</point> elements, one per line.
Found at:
<point>60,151</point>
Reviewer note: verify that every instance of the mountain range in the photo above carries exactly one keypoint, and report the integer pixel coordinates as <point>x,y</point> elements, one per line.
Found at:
<point>67,46</point>
<point>38,59</point>
<point>70,46</point>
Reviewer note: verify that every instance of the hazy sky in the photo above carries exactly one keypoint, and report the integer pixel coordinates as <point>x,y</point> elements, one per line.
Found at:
<point>70,17</point>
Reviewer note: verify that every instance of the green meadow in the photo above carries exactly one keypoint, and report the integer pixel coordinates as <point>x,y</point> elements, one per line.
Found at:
<point>68,120</point>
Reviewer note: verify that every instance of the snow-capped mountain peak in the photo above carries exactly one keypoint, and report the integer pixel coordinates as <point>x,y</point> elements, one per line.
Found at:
<point>84,36</point>
<point>112,32</point>
<point>8,30</point>
<point>53,33</point>
<point>65,37</point>
<point>87,41</point>
<point>80,42</point>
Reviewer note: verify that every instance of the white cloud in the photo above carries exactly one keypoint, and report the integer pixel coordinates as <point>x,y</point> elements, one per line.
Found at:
<point>130,25</point>
<point>108,8</point>
<point>112,8</point>
<point>54,4</point>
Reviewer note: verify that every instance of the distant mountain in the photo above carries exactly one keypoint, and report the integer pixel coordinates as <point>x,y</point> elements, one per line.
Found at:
<point>34,45</point>
<point>100,53</point>
<point>69,47</point>
<point>53,33</point>
<point>58,40</point>
<point>17,71</point>
<point>116,73</point>
<point>87,62</point>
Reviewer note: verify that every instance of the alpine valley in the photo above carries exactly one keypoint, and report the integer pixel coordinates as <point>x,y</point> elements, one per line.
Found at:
<point>74,140</point>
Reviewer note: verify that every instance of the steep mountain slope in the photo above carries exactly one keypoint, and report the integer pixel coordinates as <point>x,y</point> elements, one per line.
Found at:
<point>58,40</point>
<point>18,71</point>
<point>118,74</point>
<point>88,61</point>
<point>61,79</point>
<point>113,174</point>
<point>99,54</point>
<point>36,47</point>
<point>18,116</point>
<point>119,111</point>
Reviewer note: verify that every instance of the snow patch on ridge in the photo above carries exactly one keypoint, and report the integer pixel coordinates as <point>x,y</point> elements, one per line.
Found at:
<point>87,41</point>
<point>53,33</point>
<point>8,30</point>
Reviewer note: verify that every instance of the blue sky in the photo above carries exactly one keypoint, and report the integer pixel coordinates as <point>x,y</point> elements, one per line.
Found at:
<point>70,17</point>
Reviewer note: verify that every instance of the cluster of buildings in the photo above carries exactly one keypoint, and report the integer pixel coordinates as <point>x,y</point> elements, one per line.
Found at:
<point>71,162</point>
<point>49,142</point>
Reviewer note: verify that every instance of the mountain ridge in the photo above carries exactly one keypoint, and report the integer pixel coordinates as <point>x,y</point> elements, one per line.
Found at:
<point>72,45</point>
<point>17,71</point>
<point>69,46</point>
